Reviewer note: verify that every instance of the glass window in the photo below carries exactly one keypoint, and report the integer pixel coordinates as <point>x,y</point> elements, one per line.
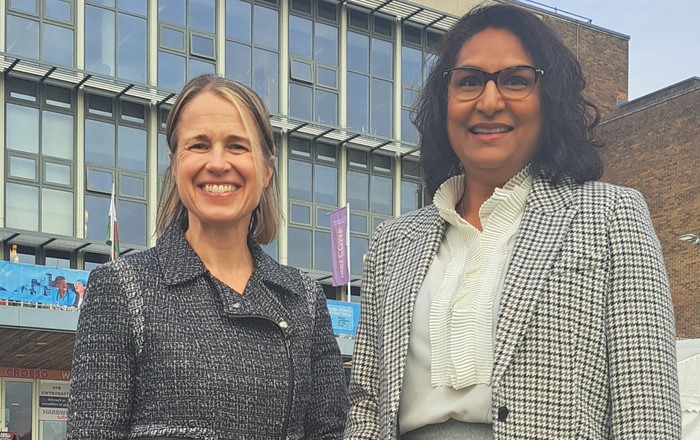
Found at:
<point>326,44</point>
<point>238,62</point>
<point>57,173</point>
<point>300,176</point>
<point>358,52</point>
<point>116,151</point>
<point>99,143</point>
<point>326,184</point>
<point>57,138</point>
<point>22,128</point>
<point>358,190</point>
<point>22,207</point>
<point>22,167</point>
<point>202,15</point>
<point>322,251</point>
<point>57,212</point>
<point>172,11</point>
<point>100,45</point>
<point>358,249</point>
<point>186,45</point>
<point>238,20</point>
<point>100,181</point>
<point>171,71</point>
<point>39,153</point>
<point>300,214</point>
<point>132,48</point>
<point>382,197</point>
<point>265,27</point>
<point>22,37</point>
<point>358,102</point>
<point>132,186</point>
<point>381,107</point>
<point>300,36</point>
<point>24,5</point>
<point>299,245</point>
<point>265,77</point>
<point>55,49</point>
<point>300,101</point>
<point>202,46</point>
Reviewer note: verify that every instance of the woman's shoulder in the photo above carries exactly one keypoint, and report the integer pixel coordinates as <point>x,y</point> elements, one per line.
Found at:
<point>609,194</point>
<point>137,264</point>
<point>417,221</point>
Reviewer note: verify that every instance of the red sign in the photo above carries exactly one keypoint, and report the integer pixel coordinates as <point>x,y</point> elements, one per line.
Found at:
<point>32,373</point>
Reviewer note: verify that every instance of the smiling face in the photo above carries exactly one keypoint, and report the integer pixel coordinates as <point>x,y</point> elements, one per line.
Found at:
<point>494,138</point>
<point>217,166</point>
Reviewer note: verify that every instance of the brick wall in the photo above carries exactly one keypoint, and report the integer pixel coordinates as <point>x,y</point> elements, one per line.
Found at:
<point>655,148</point>
<point>603,57</point>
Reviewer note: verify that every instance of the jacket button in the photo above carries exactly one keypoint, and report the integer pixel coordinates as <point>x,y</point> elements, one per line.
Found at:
<point>283,325</point>
<point>236,305</point>
<point>502,413</point>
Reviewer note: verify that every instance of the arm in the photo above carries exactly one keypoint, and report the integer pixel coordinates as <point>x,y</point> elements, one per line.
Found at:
<point>363,418</point>
<point>103,363</point>
<point>328,407</point>
<point>640,326</point>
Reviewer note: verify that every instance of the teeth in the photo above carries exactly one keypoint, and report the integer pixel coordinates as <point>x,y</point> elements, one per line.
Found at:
<point>219,189</point>
<point>485,130</point>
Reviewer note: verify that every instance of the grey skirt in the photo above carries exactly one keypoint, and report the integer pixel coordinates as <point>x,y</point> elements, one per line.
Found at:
<point>451,430</point>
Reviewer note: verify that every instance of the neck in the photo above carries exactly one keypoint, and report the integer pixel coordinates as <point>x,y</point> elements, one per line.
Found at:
<point>224,252</point>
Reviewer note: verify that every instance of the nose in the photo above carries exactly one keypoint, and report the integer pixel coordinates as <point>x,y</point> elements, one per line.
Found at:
<point>490,101</point>
<point>217,162</point>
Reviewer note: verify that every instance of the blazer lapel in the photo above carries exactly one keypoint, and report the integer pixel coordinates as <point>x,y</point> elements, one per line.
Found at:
<point>408,267</point>
<point>545,223</point>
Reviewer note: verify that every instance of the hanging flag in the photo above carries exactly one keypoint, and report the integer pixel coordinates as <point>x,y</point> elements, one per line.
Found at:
<point>112,235</point>
<point>339,246</point>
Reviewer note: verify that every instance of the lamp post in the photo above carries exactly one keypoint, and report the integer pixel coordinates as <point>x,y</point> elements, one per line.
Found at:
<point>690,238</point>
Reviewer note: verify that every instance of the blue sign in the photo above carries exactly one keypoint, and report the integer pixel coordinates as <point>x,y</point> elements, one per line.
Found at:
<point>42,284</point>
<point>344,317</point>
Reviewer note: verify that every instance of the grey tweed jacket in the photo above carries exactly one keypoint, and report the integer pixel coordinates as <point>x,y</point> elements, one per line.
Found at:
<point>585,343</point>
<point>164,349</point>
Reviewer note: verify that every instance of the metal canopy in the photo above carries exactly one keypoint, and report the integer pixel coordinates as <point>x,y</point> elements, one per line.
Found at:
<point>404,10</point>
<point>59,243</point>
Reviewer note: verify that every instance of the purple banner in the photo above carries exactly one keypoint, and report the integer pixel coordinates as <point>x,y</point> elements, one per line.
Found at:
<point>339,246</point>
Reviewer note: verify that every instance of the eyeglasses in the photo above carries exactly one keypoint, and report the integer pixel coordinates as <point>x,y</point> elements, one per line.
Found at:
<point>513,83</point>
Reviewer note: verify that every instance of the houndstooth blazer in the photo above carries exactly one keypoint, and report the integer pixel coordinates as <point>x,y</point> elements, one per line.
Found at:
<point>585,341</point>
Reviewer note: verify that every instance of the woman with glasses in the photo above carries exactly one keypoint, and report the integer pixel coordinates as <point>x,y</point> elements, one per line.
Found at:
<point>528,301</point>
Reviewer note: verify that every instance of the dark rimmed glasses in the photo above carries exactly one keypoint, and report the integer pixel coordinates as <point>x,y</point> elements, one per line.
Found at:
<point>513,83</point>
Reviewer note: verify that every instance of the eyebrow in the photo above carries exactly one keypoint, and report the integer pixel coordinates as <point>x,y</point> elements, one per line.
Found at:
<point>229,138</point>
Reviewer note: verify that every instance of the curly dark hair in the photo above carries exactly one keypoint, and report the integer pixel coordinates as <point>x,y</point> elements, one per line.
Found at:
<point>568,147</point>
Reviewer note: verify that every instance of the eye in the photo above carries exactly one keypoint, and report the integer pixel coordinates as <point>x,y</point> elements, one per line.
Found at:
<point>239,148</point>
<point>468,80</point>
<point>197,147</point>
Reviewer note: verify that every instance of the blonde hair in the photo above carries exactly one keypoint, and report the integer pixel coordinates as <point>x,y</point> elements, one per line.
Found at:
<point>265,218</point>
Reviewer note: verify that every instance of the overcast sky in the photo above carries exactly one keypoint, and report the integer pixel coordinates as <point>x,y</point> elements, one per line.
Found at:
<point>664,37</point>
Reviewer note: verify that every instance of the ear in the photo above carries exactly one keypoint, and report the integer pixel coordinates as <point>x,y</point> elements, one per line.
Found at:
<point>269,169</point>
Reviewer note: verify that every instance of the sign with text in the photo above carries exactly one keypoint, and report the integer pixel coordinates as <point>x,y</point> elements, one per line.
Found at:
<point>344,317</point>
<point>53,400</point>
<point>339,246</point>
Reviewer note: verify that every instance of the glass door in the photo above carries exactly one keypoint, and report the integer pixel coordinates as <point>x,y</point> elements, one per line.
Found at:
<point>17,414</point>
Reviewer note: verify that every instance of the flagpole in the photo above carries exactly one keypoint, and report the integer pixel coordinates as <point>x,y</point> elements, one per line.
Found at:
<point>347,248</point>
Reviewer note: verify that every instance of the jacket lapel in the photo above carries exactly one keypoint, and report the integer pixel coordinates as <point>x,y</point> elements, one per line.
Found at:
<point>545,223</point>
<point>407,269</point>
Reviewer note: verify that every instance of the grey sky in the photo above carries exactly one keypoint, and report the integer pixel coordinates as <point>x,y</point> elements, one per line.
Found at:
<point>664,37</point>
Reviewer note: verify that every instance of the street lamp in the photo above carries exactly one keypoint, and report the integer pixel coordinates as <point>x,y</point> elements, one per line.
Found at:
<point>690,238</point>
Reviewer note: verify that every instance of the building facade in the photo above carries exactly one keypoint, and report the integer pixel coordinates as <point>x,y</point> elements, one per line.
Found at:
<point>85,91</point>
<point>653,145</point>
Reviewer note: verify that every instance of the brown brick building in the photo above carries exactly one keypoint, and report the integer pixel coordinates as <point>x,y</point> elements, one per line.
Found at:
<point>653,145</point>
